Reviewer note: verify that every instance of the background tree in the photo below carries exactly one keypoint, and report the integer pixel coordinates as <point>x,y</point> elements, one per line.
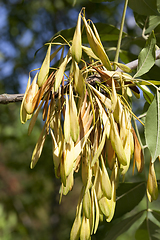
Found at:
<point>34,189</point>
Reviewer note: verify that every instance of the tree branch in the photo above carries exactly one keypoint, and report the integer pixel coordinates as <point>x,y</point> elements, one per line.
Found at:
<point>12,98</point>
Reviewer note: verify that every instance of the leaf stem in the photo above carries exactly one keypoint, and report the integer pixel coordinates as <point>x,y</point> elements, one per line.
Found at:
<point>120,33</point>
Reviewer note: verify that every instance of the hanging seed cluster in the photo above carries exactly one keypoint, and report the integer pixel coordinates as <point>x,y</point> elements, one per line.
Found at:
<point>90,126</point>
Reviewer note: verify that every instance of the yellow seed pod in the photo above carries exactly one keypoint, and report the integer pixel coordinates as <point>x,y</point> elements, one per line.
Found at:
<point>60,72</point>
<point>114,96</point>
<point>105,181</point>
<point>85,229</point>
<point>76,49</point>
<point>67,121</point>
<point>24,116</point>
<point>152,187</point>
<point>117,142</point>
<point>43,73</point>
<point>96,47</point>
<point>31,92</point>
<point>78,79</point>
<point>104,206</point>
<point>69,184</point>
<point>75,231</point>
<point>87,204</point>
<point>74,125</point>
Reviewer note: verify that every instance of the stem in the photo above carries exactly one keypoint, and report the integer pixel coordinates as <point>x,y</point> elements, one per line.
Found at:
<point>120,33</point>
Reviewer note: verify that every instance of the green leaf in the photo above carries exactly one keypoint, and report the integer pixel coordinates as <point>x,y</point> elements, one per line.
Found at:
<point>129,196</point>
<point>150,23</point>
<point>146,58</point>
<point>122,226</point>
<point>145,7</point>
<point>156,214</point>
<point>146,93</point>
<point>147,230</point>
<point>152,127</point>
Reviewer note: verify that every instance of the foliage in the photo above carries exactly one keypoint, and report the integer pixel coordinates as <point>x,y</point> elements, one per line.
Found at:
<point>88,122</point>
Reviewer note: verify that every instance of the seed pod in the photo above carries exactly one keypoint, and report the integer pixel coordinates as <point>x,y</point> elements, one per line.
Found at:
<point>105,208</point>
<point>152,187</point>
<point>96,210</point>
<point>92,216</point>
<point>67,121</point>
<point>138,154</point>
<point>43,73</point>
<point>75,231</point>
<point>74,125</point>
<point>87,204</point>
<point>68,161</point>
<point>110,154</point>
<point>31,92</point>
<point>112,202</point>
<point>78,79</point>
<point>69,184</point>
<point>39,147</point>
<point>60,72</point>
<point>114,97</point>
<point>76,49</point>
<point>96,47</point>
<point>56,159</point>
<point>85,229</point>
<point>105,181</point>
<point>24,116</point>
<point>117,143</point>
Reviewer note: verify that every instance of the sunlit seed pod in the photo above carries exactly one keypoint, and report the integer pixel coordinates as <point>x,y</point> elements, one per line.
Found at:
<point>74,125</point>
<point>118,111</point>
<point>96,47</point>
<point>44,70</point>
<point>31,92</point>
<point>39,147</point>
<point>67,121</point>
<point>68,161</point>
<point>24,116</point>
<point>104,206</point>
<point>138,154</point>
<point>60,72</point>
<point>85,229</point>
<point>76,49</point>
<point>114,97</point>
<point>123,128</point>
<point>152,186</point>
<point>127,149</point>
<point>117,143</point>
<point>92,215</point>
<point>75,231</point>
<point>89,52</point>
<point>112,202</point>
<point>87,204</point>
<point>69,184</point>
<point>96,211</point>
<point>78,79</point>
<point>105,181</point>
<point>98,187</point>
<point>56,158</point>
